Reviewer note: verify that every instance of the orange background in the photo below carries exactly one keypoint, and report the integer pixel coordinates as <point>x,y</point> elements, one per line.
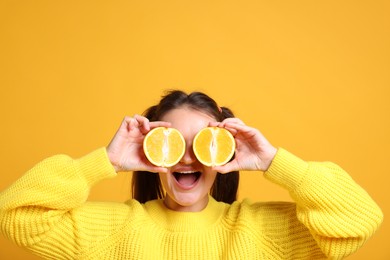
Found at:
<point>313,76</point>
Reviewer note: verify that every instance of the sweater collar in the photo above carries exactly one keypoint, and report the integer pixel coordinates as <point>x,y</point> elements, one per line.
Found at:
<point>185,221</point>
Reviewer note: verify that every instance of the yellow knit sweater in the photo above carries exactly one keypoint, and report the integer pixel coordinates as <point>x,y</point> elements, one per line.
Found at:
<point>46,211</point>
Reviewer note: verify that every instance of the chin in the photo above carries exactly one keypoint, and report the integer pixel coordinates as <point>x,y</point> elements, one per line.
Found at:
<point>187,188</point>
<point>186,201</point>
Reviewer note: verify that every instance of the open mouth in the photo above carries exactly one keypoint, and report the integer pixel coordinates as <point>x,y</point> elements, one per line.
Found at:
<point>187,179</point>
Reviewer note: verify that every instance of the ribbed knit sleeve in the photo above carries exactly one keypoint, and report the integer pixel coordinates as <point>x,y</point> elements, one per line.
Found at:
<point>44,197</point>
<point>339,214</point>
<point>47,212</point>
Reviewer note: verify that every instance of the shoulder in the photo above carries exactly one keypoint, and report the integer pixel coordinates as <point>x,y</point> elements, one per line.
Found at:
<point>264,218</point>
<point>115,213</point>
<point>272,220</point>
<point>247,210</point>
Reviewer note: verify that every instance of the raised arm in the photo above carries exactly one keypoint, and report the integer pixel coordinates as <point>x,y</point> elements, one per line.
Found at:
<point>339,214</point>
<point>46,209</point>
<point>38,207</point>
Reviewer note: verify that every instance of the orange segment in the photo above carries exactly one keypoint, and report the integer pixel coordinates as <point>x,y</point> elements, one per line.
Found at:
<point>164,146</point>
<point>214,146</point>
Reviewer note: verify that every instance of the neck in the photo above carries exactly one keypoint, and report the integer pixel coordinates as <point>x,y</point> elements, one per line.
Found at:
<point>171,204</point>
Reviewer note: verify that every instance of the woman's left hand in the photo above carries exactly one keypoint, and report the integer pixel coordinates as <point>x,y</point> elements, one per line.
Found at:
<point>253,151</point>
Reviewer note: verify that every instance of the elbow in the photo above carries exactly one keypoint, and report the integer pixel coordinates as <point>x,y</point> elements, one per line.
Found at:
<point>345,245</point>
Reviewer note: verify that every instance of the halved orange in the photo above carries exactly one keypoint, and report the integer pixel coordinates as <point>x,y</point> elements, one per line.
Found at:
<point>214,146</point>
<point>164,146</point>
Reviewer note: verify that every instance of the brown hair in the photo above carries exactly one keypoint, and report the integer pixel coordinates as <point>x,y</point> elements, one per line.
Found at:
<point>147,185</point>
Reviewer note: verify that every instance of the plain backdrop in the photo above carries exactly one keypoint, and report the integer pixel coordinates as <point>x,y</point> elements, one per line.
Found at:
<point>312,76</point>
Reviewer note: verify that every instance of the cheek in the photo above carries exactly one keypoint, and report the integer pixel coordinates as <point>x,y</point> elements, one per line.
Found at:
<point>209,177</point>
<point>163,179</point>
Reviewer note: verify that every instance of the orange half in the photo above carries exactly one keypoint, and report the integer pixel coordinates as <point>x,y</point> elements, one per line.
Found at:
<point>164,146</point>
<point>214,146</point>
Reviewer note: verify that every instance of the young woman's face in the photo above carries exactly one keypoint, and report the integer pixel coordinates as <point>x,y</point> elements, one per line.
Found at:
<point>188,183</point>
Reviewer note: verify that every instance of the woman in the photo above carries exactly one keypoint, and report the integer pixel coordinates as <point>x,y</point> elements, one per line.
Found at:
<point>197,217</point>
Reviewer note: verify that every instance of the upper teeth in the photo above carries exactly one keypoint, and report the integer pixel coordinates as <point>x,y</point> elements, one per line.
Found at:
<point>187,172</point>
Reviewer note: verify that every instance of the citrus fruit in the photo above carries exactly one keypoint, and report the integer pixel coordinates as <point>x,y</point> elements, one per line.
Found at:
<point>214,146</point>
<point>164,146</point>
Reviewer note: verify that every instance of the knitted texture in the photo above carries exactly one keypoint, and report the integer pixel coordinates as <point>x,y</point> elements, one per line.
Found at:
<point>46,211</point>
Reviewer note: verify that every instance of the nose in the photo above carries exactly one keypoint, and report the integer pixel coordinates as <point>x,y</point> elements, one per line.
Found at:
<point>189,156</point>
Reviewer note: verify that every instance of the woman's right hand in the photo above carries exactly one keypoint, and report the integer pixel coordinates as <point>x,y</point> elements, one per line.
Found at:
<point>125,150</point>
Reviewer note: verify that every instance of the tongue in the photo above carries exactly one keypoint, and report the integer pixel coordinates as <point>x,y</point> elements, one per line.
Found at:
<point>186,179</point>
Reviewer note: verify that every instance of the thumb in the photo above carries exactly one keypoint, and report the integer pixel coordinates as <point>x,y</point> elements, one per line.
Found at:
<point>157,169</point>
<point>229,167</point>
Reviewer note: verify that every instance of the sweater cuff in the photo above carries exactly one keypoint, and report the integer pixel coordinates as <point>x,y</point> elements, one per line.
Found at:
<point>96,166</point>
<point>287,170</point>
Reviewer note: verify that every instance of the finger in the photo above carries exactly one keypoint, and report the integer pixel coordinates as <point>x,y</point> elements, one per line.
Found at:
<point>214,124</point>
<point>220,124</point>
<point>231,130</point>
<point>127,123</point>
<point>143,123</point>
<point>229,167</point>
<point>239,128</point>
<point>233,120</point>
<point>127,119</point>
<point>155,124</point>
<point>158,169</point>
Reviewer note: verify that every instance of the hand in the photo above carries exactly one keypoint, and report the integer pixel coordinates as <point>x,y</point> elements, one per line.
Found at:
<point>125,149</point>
<point>253,151</point>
